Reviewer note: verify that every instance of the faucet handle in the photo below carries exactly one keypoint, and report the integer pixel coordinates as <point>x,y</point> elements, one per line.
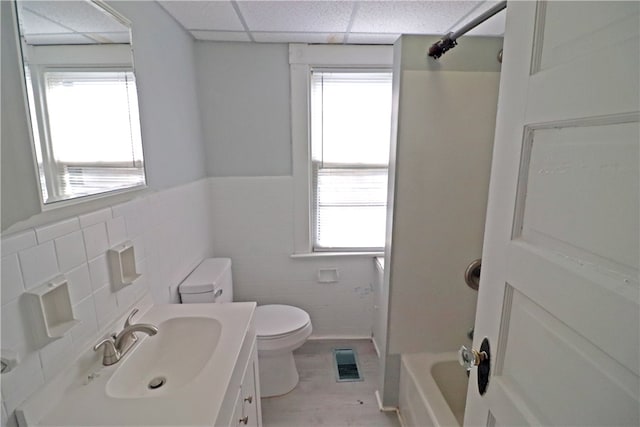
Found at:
<point>111,355</point>
<point>130,317</point>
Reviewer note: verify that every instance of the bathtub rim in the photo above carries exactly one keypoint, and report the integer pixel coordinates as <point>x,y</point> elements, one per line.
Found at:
<point>421,363</point>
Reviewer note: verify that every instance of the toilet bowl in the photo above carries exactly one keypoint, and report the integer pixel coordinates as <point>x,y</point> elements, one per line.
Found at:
<point>280,329</point>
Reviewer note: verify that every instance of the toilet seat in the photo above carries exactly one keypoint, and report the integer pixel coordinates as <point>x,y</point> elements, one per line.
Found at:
<point>281,329</point>
<point>275,321</point>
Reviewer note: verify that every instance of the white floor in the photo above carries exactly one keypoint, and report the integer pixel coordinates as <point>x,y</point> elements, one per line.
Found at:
<point>319,400</point>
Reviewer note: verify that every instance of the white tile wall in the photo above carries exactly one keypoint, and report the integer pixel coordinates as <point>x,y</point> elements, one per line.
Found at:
<point>99,271</point>
<point>248,219</point>
<point>11,279</point>
<point>253,224</point>
<point>39,263</point>
<point>171,234</point>
<point>116,231</point>
<point>85,311</point>
<point>97,217</point>
<point>106,305</point>
<point>71,251</point>
<point>18,241</point>
<point>79,283</point>
<point>58,229</point>
<point>96,241</point>
<point>16,333</point>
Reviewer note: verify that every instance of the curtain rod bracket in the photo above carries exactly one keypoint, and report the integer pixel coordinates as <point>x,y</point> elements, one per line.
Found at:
<point>448,41</point>
<point>441,46</point>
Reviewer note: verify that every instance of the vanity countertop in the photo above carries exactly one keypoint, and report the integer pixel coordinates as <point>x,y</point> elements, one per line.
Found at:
<point>87,401</point>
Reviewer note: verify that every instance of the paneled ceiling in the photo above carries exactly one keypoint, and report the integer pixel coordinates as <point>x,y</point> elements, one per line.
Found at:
<point>328,21</point>
<point>68,22</point>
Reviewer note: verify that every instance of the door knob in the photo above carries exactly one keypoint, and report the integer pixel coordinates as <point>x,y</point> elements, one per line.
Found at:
<point>472,274</point>
<point>470,358</point>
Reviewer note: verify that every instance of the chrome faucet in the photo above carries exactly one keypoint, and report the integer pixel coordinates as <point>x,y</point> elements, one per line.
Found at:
<point>117,345</point>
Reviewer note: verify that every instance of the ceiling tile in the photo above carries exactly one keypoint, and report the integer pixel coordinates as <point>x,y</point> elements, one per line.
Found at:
<point>227,36</point>
<point>327,21</point>
<point>205,15</point>
<point>275,37</point>
<point>33,23</point>
<point>372,38</point>
<point>494,26</point>
<point>73,15</point>
<point>409,17</point>
<point>297,16</point>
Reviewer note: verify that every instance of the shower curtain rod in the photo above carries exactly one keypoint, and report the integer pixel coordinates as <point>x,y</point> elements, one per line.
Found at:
<point>448,41</point>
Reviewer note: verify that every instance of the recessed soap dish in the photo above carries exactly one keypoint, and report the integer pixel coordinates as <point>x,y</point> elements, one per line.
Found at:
<point>122,261</point>
<point>51,310</point>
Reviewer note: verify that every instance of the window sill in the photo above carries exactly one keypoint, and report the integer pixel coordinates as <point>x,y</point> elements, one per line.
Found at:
<point>336,254</point>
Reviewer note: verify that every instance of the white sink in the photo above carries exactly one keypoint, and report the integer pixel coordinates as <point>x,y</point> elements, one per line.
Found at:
<point>167,361</point>
<point>196,350</point>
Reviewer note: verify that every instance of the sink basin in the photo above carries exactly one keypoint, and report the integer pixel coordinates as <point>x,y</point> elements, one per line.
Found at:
<point>167,361</point>
<point>196,352</point>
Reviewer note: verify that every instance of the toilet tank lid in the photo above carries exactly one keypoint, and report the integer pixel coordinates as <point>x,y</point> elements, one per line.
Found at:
<point>206,277</point>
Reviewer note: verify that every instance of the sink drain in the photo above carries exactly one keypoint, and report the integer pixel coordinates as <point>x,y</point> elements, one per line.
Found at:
<point>157,383</point>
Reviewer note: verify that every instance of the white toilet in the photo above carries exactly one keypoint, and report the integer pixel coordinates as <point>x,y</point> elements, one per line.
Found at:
<point>280,329</point>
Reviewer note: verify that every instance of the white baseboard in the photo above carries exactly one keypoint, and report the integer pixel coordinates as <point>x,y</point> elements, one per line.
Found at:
<point>375,346</point>
<point>401,420</point>
<point>384,408</point>
<point>338,337</point>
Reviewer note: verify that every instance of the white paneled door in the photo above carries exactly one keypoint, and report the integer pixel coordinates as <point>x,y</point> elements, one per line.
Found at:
<point>558,297</point>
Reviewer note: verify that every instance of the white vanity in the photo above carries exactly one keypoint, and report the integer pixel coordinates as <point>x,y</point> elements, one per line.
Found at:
<point>200,369</point>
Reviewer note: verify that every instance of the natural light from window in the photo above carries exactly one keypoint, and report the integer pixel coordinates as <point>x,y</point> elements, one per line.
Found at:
<point>77,103</point>
<point>350,138</point>
<point>92,141</point>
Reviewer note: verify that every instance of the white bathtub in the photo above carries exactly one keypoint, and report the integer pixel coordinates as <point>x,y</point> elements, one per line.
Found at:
<point>433,390</point>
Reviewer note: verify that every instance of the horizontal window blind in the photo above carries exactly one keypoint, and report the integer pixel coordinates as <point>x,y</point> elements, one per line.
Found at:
<point>77,103</point>
<point>85,180</point>
<point>350,208</point>
<point>350,134</point>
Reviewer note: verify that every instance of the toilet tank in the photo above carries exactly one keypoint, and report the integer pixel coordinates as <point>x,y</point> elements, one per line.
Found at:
<point>210,282</point>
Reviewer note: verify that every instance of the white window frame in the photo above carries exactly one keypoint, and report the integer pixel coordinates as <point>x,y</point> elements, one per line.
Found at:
<point>302,59</point>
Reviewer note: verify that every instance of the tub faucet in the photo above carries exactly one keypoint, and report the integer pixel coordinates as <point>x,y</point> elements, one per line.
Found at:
<point>117,345</point>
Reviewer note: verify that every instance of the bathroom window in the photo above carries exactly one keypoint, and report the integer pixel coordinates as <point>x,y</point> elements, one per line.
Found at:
<point>350,133</point>
<point>81,153</point>
<point>341,118</point>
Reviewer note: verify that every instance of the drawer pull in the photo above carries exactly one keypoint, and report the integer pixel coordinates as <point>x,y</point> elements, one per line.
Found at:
<point>248,399</point>
<point>244,420</point>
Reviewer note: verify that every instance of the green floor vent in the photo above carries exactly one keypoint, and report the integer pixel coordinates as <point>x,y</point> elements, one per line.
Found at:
<point>346,364</point>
